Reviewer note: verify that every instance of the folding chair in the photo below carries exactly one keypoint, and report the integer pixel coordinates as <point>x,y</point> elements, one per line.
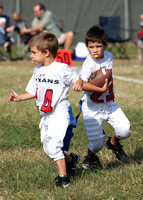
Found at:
<point>112,27</point>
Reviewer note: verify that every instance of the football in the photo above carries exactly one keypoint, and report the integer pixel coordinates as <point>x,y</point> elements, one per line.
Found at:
<point>98,77</point>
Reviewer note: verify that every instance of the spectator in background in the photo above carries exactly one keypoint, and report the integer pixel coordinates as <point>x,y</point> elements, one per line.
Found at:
<point>4,23</point>
<point>19,24</point>
<point>46,20</point>
<point>139,42</point>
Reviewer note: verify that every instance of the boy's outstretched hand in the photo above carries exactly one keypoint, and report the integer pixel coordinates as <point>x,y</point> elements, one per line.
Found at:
<point>13,96</point>
<point>16,97</point>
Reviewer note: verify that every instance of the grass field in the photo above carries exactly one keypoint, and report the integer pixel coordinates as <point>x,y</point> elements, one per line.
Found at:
<point>25,171</point>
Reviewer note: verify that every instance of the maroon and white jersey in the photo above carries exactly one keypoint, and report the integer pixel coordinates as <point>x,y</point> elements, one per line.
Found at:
<point>50,85</point>
<point>90,65</point>
<point>100,107</point>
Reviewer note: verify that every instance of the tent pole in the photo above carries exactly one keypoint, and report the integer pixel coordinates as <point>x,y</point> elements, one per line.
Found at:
<point>126,17</point>
<point>18,10</point>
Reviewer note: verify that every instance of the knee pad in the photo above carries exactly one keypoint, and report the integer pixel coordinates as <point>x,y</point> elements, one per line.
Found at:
<point>124,131</point>
<point>96,145</point>
<point>52,148</point>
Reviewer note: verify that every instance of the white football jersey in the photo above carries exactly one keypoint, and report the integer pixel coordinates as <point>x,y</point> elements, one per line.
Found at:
<point>90,65</point>
<point>50,85</point>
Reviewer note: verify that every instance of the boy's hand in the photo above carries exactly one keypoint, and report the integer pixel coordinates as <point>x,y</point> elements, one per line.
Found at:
<point>78,85</point>
<point>16,97</point>
<point>13,96</point>
<point>106,85</point>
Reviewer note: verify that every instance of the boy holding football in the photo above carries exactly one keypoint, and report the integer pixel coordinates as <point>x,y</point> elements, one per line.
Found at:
<point>97,107</point>
<point>49,84</point>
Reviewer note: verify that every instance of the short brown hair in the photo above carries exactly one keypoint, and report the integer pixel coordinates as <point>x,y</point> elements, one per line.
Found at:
<point>16,16</point>
<point>45,41</point>
<point>96,34</point>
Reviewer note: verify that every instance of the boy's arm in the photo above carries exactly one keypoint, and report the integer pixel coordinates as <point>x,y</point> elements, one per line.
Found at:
<point>92,88</point>
<point>16,97</point>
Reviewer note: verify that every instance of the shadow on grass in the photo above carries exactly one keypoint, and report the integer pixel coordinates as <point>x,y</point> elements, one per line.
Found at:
<point>137,158</point>
<point>138,155</point>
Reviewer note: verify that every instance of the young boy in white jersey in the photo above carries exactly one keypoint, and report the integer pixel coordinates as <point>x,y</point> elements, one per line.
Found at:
<point>97,107</point>
<point>49,84</point>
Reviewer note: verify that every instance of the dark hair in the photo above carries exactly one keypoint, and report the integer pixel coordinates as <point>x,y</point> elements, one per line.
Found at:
<point>96,34</point>
<point>42,7</point>
<point>45,41</point>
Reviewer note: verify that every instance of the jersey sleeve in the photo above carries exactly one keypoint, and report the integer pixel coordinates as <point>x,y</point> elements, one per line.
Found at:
<point>86,70</point>
<point>31,88</point>
<point>70,76</point>
<point>110,61</point>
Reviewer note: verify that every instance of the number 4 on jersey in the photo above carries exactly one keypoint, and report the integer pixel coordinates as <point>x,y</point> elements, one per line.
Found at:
<point>46,106</point>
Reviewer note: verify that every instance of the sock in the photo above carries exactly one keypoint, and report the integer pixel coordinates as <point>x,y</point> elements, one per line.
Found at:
<point>61,175</point>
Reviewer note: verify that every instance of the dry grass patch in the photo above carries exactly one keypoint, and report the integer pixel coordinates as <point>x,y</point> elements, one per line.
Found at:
<point>28,154</point>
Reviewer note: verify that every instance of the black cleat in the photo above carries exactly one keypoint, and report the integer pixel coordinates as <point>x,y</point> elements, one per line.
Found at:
<point>62,182</point>
<point>91,163</point>
<point>117,149</point>
<point>72,165</point>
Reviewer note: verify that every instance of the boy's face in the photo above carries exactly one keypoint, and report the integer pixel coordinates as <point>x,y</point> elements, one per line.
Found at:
<point>37,56</point>
<point>96,50</point>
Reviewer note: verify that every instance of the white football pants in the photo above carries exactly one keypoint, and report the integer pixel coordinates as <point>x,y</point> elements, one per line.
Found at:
<point>53,127</point>
<point>95,114</point>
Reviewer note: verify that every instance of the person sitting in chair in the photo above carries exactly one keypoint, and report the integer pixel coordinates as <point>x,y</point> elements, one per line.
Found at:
<point>19,24</point>
<point>139,42</point>
<point>46,20</point>
<point>4,23</point>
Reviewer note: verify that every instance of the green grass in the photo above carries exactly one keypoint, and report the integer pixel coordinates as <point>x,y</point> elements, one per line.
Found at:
<point>118,50</point>
<point>25,171</point>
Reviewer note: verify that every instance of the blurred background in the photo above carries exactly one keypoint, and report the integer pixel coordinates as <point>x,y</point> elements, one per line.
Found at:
<point>79,15</point>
